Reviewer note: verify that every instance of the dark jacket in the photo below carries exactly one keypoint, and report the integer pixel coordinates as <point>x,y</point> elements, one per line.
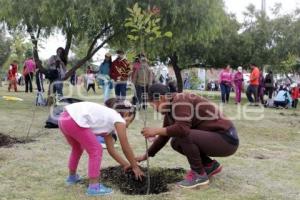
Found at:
<point>190,111</point>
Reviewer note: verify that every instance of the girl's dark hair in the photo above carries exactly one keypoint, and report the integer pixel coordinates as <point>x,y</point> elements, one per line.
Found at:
<point>121,107</point>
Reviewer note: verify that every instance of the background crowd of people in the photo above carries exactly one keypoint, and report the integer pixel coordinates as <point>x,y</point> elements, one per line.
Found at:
<point>259,86</point>
<point>116,74</point>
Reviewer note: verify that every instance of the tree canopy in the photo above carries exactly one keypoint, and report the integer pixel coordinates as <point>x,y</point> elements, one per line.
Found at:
<point>93,21</point>
<point>202,31</point>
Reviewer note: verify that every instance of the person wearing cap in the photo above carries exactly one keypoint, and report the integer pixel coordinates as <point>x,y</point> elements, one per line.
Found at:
<point>104,77</point>
<point>295,94</point>
<point>238,83</point>
<point>197,129</point>
<point>119,72</point>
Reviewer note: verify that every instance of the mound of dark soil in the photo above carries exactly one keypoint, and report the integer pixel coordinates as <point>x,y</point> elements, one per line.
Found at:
<point>126,182</point>
<point>7,141</point>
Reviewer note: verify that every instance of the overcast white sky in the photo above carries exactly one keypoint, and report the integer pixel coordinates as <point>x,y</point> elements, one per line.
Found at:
<point>233,6</point>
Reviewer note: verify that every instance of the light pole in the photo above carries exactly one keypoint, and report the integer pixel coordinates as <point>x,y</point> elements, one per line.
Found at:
<point>263,6</point>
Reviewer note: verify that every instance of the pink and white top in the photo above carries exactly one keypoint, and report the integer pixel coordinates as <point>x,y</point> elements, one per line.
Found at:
<point>99,118</point>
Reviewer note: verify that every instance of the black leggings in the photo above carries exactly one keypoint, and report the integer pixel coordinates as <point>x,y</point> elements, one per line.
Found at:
<point>28,82</point>
<point>91,86</point>
<point>281,103</point>
<point>199,145</point>
<point>295,103</point>
<point>269,91</point>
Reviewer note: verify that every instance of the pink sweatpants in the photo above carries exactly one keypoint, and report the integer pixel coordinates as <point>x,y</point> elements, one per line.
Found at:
<point>81,139</point>
<point>238,93</point>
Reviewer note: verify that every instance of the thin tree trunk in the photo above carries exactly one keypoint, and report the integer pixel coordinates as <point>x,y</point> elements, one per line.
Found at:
<point>86,58</point>
<point>68,45</point>
<point>34,40</point>
<point>177,70</point>
<point>92,51</point>
<point>1,76</point>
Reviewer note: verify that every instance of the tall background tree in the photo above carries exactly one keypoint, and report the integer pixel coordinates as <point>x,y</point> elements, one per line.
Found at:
<point>194,24</point>
<point>5,50</point>
<point>92,21</point>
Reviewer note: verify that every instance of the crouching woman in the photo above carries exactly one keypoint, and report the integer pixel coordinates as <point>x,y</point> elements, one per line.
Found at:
<point>197,129</point>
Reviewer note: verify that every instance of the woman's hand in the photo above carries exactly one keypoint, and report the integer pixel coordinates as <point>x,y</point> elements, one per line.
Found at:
<point>141,158</point>
<point>150,132</point>
<point>138,173</point>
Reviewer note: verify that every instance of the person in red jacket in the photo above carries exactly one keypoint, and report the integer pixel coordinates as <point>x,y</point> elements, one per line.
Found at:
<point>119,72</point>
<point>12,75</point>
<point>295,94</point>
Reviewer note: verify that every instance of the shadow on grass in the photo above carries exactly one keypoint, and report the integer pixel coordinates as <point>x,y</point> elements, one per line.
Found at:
<point>160,178</point>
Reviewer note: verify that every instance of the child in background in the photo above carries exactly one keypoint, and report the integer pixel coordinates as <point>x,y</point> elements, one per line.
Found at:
<point>90,79</point>
<point>12,76</point>
<point>81,123</point>
<point>295,94</point>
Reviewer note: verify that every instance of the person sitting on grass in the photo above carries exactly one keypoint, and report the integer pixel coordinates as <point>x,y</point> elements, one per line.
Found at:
<point>81,122</point>
<point>283,99</point>
<point>197,129</point>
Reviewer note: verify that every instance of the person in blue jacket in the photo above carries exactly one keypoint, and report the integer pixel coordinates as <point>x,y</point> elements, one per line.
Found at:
<point>104,78</point>
<point>283,98</point>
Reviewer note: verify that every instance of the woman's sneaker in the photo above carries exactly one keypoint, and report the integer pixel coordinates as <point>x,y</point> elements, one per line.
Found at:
<point>213,168</point>
<point>73,179</point>
<point>193,180</point>
<point>101,190</point>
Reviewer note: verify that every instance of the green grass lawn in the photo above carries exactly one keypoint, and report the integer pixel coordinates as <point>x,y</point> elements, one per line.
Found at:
<point>266,165</point>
